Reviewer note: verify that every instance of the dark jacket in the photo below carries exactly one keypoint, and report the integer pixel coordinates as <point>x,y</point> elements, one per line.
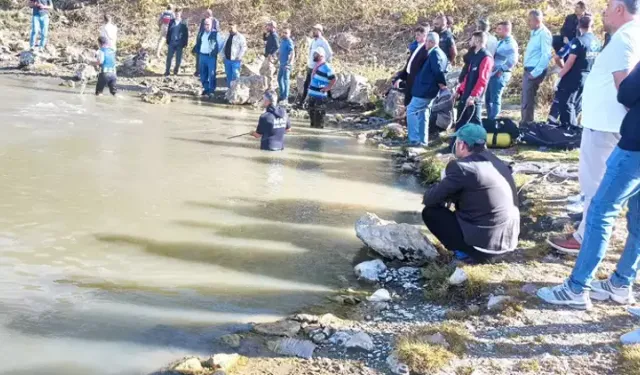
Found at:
<point>216,25</point>
<point>272,126</point>
<point>183,34</point>
<point>272,44</point>
<point>416,66</point>
<point>477,75</point>
<point>213,36</point>
<point>431,75</point>
<point>629,96</point>
<point>570,27</point>
<point>484,193</point>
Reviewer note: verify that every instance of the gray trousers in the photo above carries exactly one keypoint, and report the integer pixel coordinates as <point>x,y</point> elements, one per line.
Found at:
<point>529,92</point>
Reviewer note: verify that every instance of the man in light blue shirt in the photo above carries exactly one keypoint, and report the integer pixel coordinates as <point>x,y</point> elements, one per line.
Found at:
<point>505,59</point>
<point>536,61</point>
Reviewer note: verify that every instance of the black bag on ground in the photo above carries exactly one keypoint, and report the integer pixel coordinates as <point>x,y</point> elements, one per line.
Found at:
<point>501,132</point>
<point>541,134</point>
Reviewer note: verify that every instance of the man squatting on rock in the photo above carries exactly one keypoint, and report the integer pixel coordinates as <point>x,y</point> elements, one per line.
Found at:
<point>106,62</point>
<point>486,221</point>
<point>273,124</point>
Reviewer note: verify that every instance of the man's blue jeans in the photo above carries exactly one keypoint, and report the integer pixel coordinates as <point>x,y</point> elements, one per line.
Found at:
<point>621,183</point>
<point>39,25</point>
<point>208,73</point>
<point>284,81</point>
<point>177,51</point>
<point>232,70</point>
<point>417,114</point>
<point>493,99</point>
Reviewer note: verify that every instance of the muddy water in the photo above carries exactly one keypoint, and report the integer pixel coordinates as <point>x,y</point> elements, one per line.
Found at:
<point>131,234</point>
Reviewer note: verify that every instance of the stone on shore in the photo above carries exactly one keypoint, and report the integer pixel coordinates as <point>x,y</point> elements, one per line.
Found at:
<point>360,90</point>
<point>346,41</point>
<point>285,327</point>
<point>188,366</point>
<point>380,295</point>
<point>293,347</point>
<point>135,65</point>
<point>360,341</point>
<point>340,91</point>
<point>246,90</point>
<point>85,72</point>
<point>394,104</point>
<point>154,95</point>
<point>26,59</point>
<point>458,277</point>
<point>393,240</point>
<point>371,270</point>
<point>222,361</point>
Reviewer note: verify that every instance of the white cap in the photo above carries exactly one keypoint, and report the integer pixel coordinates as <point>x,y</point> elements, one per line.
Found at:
<point>318,26</point>
<point>320,51</point>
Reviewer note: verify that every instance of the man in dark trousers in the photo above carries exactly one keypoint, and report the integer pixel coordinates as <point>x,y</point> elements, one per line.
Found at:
<point>106,62</point>
<point>177,39</point>
<point>271,46</point>
<point>414,63</point>
<point>486,221</point>
<point>447,41</point>
<point>208,15</point>
<point>582,53</point>
<point>208,45</point>
<point>471,90</point>
<point>273,124</point>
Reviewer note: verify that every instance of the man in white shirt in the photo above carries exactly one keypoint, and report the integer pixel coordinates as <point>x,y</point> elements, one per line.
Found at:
<point>601,113</point>
<point>318,42</point>
<point>110,31</point>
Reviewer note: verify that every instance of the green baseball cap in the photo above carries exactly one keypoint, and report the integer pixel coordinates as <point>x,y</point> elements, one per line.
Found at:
<point>472,134</point>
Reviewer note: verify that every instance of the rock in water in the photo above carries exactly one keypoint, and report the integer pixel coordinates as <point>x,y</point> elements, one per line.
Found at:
<point>394,104</point>
<point>85,72</point>
<point>293,347</point>
<point>285,327</point>
<point>458,277</point>
<point>340,90</point>
<point>370,270</point>
<point>346,41</point>
<point>27,59</point>
<point>188,366</point>
<point>360,341</point>
<point>154,95</point>
<point>393,240</point>
<point>360,90</point>
<point>380,295</point>
<point>246,90</point>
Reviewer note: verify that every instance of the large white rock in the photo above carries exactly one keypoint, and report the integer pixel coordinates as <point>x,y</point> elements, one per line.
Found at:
<point>359,90</point>
<point>188,366</point>
<point>346,41</point>
<point>458,277</point>
<point>246,90</point>
<point>360,341</point>
<point>393,240</point>
<point>394,104</point>
<point>340,91</point>
<point>380,295</point>
<point>85,72</point>
<point>370,270</point>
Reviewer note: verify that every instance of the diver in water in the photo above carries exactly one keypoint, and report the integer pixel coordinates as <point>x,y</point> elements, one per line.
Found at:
<point>273,124</point>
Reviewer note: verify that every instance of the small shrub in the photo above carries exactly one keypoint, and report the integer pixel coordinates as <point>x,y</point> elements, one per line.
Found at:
<point>531,365</point>
<point>431,170</point>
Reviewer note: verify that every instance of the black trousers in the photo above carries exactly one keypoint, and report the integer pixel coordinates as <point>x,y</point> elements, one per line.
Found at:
<point>443,224</point>
<point>317,111</point>
<point>106,79</point>
<point>307,82</point>
<point>567,105</point>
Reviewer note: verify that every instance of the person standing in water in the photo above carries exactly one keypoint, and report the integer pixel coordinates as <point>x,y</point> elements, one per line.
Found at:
<point>106,61</point>
<point>322,80</point>
<point>273,124</point>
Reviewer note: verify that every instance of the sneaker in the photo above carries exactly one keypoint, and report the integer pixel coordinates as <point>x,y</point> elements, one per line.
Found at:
<point>575,198</point>
<point>602,290</point>
<point>565,244</point>
<point>563,296</point>
<point>631,338</point>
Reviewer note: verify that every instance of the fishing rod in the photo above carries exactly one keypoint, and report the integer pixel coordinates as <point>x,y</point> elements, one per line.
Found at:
<point>239,135</point>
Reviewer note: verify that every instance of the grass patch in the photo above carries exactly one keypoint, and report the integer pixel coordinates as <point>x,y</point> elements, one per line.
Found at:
<point>629,360</point>
<point>526,153</point>
<point>532,365</point>
<point>431,170</point>
<point>522,179</point>
<point>424,357</point>
<point>481,281</point>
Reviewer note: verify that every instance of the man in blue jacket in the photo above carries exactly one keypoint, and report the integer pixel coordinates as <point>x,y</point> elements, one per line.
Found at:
<point>273,124</point>
<point>177,39</point>
<point>426,87</point>
<point>208,44</point>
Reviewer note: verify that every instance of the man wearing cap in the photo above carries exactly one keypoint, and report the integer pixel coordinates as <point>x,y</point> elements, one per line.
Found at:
<point>486,221</point>
<point>318,42</point>
<point>268,68</point>
<point>322,80</point>
<point>273,124</point>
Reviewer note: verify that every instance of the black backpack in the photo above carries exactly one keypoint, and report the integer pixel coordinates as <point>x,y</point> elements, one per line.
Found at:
<point>501,132</point>
<point>541,134</point>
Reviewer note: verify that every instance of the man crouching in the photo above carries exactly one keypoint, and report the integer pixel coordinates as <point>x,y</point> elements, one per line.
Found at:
<point>273,124</point>
<point>486,220</point>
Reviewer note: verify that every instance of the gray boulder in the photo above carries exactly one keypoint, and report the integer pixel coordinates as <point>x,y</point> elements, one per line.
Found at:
<point>85,72</point>
<point>293,347</point>
<point>394,104</point>
<point>340,90</point>
<point>359,90</point>
<point>27,59</point>
<point>393,240</point>
<point>360,341</point>
<point>136,65</point>
<point>154,95</point>
<point>285,327</point>
<point>246,90</point>
<point>346,41</point>
<point>371,270</point>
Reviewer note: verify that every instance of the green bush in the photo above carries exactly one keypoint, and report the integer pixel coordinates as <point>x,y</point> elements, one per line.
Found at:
<point>431,170</point>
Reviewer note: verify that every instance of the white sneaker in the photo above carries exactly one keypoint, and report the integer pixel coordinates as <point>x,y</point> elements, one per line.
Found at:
<point>563,296</point>
<point>602,290</point>
<point>631,338</point>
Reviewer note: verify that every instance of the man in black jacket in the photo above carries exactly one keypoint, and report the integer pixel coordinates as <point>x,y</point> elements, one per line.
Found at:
<point>486,220</point>
<point>177,39</point>
<point>413,65</point>
<point>273,124</point>
<point>570,28</point>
